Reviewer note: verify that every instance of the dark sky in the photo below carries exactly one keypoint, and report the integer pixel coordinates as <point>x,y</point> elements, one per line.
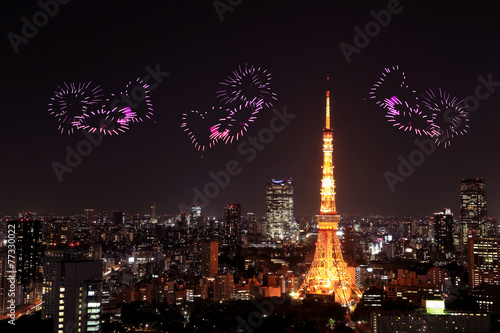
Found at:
<point>445,44</point>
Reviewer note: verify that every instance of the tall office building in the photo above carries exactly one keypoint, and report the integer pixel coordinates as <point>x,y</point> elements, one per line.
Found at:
<point>4,283</point>
<point>28,251</point>
<point>349,244</point>
<point>210,259</point>
<point>483,258</point>
<point>232,223</point>
<point>119,218</point>
<point>78,296</point>
<point>279,210</point>
<point>152,210</point>
<point>473,208</point>
<point>224,287</point>
<point>196,218</point>
<point>443,232</point>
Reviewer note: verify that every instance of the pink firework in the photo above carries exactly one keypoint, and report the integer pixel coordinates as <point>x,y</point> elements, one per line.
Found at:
<point>99,120</point>
<point>407,118</point>
<point>201,126</point>
<point>71,101</point>
<point>136,97</point>
<point>249,85</point>
<point>235,124</point>
<point>448,115</point>
<point>393,82</point>
<point>122,116</point>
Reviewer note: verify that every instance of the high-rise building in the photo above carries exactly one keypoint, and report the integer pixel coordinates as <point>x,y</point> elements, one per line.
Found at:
<point>279,210</point>
<point>118,218</point>
<point>473,208</point>
<point>210,259</point>
<point>196,218</point>
<point>483,258</point>
<point>232,223</point>
<point>28,251</point>
<point>329,277</point>
<point>224,287</point>
<point>78,293</point>
<point>4,283</point>
<point>89,214</point>
<point>152,210</point>
<point>443,232</point>
<point>349,244</point>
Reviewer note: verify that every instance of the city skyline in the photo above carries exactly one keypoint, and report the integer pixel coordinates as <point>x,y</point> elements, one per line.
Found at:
<point>146,158</point>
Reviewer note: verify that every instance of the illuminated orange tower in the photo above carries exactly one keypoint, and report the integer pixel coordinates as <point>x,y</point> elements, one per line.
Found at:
<point>328,275</point>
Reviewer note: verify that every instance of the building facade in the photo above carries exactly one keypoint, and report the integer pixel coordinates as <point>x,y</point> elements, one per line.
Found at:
<point>279,210</point>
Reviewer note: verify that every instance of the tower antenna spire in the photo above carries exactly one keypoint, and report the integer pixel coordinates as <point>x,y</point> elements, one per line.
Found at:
<point>327,103</point>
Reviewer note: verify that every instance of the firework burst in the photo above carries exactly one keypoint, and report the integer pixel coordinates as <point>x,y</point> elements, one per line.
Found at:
<point>407,118</point>
<point>103,121</point>
<point>201,127</point>
<point>136,98</point>
<point>392,82</point>
<point>249,85</point>
<point>71,101</point>
<point>448,115</point>
<point>236,123</point>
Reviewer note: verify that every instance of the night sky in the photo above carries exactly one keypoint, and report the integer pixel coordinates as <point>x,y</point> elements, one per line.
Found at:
<point>445,44</point>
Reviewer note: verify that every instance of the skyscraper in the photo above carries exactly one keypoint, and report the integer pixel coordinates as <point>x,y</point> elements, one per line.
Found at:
<point>118,218</point>
<point>443,232</point>
<point>473,208</point>
<point>210,259</point>
<point>28,255</point>
<point>60,232</point>
<point>328,277</point>
<point>232,223</point>
<point>483,258</point>
<point>152,210</point>
<point>196,218</point>
<point>78,295</point>
<point>279,210</point>
<point>224,287</point>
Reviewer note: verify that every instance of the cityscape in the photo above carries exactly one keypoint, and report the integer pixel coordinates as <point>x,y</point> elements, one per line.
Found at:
<point>156,189</point>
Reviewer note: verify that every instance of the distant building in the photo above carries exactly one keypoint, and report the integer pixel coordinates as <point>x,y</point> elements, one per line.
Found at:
<point>279,210</point>
<point>196,218</point>
<point>473,208</point>
<point>349,244</point>
<point>118,218</point>
<point>210,259</point>
<point>152,210</point>
<point>483,258</point>
<point>224,287</point>
<point>443,233</point>
<point>232,222</point>
<point>59,232</point>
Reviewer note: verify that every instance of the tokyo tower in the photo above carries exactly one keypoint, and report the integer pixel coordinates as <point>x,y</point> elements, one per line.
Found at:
<point>328,275</point>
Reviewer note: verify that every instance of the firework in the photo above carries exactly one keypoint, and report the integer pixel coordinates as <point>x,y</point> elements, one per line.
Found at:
<point>136,97</point>
<point>235,124</point>
<point>71,102</point>
<point>407,118</point>
<point>393,82</point>
<point>249,85</point>
<point>103,121</point>
<point>448,115</point>
<point>201,127</point>
<point>122,116</point>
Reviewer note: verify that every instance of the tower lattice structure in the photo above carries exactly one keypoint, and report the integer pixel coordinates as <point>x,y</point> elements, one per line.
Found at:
<point>328,274</point>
